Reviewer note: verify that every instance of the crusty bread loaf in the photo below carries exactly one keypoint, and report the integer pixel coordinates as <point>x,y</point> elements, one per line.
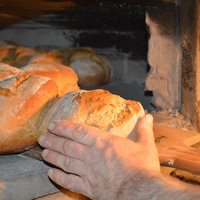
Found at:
<point>65,77</point>
<point>98,108</point>
<point>15,55</point>
<point>7,53</point>
<point>53,56</point>
<point>90,67</point>
<point>7,71</point>
<point>23,55</point>
<point>23,103</point>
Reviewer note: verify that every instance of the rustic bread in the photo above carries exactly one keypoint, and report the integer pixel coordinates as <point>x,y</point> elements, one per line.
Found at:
<point>98,108</point>
<point>53,56</point>
<point>23,103</point>
<point>15,55</point>
<point>7,53</point>
<point>90,67</point>
<point>23,55</point>
<point>7,71</point>
<point>65,77</point>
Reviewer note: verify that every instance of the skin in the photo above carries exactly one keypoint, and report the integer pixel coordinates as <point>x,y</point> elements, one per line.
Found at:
<point>102,166</point>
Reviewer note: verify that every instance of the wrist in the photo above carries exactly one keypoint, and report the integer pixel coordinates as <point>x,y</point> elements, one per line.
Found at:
<point>158,187</point>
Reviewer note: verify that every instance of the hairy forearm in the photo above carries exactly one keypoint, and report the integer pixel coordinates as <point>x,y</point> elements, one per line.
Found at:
<point>158,187</point>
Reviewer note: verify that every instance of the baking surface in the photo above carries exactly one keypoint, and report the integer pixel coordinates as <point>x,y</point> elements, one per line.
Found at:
<point>63,195</point>
<point>24,178</point>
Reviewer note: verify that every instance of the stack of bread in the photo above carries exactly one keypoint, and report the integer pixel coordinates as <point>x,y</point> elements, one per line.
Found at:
<point>25,98</point>
<point>91,68</point>
<point>12,54</point>
<point>41,92</point>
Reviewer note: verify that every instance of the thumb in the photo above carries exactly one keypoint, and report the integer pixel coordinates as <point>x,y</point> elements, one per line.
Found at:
<point>144,130</point>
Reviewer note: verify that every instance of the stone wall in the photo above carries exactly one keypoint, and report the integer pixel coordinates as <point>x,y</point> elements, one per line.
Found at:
<point>198,68</point>
<point>190,64</point>
<point>164,56</point>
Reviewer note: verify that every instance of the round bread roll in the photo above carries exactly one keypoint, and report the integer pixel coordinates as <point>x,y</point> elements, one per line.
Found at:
<point>65,77</point>
<point>98,108</point>
<point>91,68</point>
<point>89,72</point>
<point>24,100</point>
<point>7,71</point>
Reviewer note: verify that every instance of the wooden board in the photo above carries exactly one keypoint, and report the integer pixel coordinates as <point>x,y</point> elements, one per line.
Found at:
<point>175,148</point>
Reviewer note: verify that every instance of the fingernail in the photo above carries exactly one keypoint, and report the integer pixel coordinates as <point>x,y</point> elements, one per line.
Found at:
<point>52,126</point>
<point>44,153</point>
<point>41,139</point>
<point>50,172</point>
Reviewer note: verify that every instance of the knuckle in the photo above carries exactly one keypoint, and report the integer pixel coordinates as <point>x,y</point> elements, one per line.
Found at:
<point>67,146</point>
<point>80,132</point>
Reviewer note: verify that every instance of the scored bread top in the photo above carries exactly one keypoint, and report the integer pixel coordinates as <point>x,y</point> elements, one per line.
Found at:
<point>64,77</point>
<point>22,100</point>
<point>7,71</point>
<point>98,108</point>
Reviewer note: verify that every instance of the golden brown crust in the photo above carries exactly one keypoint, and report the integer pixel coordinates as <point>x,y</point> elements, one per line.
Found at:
<point>23,55</point>
<point>15,55</point>
<point>8,54</point>
<point>7,71</point>
<point>20,112</point>
<point>96,73</point>
<point>105,110</point>
<point>98,108</point>
<point>65,77</point>
<point>53,57</point>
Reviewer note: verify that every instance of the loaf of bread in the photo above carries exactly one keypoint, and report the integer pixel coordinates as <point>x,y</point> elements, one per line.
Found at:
<point>53,56</point>
<point>98,108</point>
<point>26,95</point>
<point>24,100</point>
<point>15,55</point>
<point>90,67</point>
<point>7,71</point>
<point>23,55</point>
<point>64,77</point>
<point>7,52</point>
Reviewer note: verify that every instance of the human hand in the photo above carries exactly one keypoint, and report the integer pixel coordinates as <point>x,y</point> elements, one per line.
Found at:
<point>98,164</point>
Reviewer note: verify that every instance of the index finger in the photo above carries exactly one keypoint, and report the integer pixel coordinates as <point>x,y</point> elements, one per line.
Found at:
<point>79,133</point>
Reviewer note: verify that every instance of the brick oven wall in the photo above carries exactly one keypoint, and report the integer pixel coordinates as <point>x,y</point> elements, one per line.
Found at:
<point>190,64</point>
<point>174,57</point>
<point>198,67</point>
<point>164,56</point>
